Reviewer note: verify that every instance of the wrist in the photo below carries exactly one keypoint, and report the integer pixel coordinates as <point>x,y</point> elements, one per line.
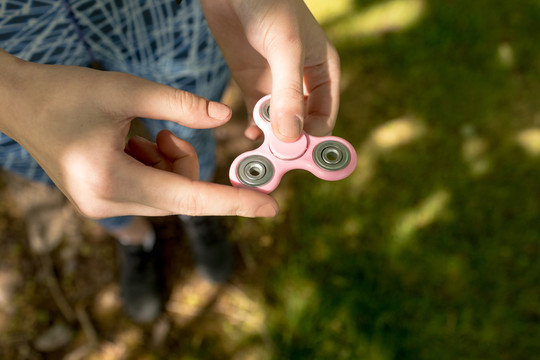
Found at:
<point>12,85</point>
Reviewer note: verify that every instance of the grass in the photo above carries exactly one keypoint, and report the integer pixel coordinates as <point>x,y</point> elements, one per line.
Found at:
<point>430,249</point>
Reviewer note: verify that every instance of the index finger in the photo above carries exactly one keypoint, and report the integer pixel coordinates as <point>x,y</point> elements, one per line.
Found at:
<point>136,97</point>
<point>179,195</point>
<point>322,85</point>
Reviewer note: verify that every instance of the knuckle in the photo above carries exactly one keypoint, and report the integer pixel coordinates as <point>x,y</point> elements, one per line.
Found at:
<point>334,58</point>
<point>289,39</point>
<point>102,190</point>
<point>92,208</point>
<point>182,101</point>
<point>292,91</point>
<point>295,43</point>
<point>292,41</point>
<point>296,94</point>
<point>91,184</point>
<point>289,100</point>
<point>98,185</point>
<point>189,204</point>
<point>103,187</point>
<point>241,207</point>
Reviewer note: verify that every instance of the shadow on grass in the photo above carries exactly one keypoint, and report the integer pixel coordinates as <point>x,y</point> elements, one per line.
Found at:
<point>430,249</point>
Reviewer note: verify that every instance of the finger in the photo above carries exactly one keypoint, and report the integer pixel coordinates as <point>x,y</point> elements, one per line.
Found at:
<point>169,153</point>
<point>180,154</point>
<point>285,57</point>
<point>106,209</point>
<point>148,99</point>
<point>253,132</point>
<point>322,85</point>
<point>147,152</point>
<point>176,194</point>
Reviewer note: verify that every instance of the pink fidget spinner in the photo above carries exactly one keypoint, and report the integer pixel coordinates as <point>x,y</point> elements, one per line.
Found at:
<point>329,158</point>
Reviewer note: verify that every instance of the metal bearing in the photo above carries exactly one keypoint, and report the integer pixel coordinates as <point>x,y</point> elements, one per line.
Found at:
<point>265,110</point>
<point>331,155</point>
<point>255,171</point>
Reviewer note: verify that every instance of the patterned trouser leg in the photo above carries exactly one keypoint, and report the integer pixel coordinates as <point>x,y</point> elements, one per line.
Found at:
<point>154,39</point>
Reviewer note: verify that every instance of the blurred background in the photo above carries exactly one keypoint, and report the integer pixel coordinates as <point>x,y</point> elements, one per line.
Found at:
<point>429,250</point>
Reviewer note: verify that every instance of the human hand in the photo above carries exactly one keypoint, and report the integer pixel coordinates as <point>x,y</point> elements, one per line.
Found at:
<point>277,47</point>
<point>74,122</point>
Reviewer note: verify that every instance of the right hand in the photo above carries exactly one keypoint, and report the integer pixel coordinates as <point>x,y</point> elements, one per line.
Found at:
<point>74,122</point>
<point>277,47</point>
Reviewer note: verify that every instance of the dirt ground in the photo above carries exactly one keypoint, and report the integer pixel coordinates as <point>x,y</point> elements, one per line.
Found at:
<point>59,298</point>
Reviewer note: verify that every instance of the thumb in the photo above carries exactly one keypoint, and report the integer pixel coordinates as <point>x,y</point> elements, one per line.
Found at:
<point>148,99</point>
<point>287,103</point>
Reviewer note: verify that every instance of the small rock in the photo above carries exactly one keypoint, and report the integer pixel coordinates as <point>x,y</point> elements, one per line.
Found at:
<point>160,331</point>
<point>54,338</point>
<point>10,282</point>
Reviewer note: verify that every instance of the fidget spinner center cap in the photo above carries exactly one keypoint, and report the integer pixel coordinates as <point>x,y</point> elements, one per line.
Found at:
<point>288,151</point>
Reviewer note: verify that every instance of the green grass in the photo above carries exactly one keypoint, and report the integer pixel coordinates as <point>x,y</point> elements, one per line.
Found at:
<point>430,249</point>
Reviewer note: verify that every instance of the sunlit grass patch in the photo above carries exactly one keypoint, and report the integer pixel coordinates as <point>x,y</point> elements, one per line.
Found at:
<point>389,16</point>
<point>325,11</point>
<point>506,55</point>
<point>428,211</point>
<point>397,132</point>
<point>121,347</point>
<point>529,140</point>
<point>389,136</point>
<point>475,154</point>
<point>234,315</point>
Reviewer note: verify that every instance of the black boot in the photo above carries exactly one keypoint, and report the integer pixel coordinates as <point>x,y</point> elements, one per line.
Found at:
<point>212,252</point>
<point>140,282</point>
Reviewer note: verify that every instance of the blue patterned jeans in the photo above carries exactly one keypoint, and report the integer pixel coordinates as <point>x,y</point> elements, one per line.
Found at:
<point>154,39</point>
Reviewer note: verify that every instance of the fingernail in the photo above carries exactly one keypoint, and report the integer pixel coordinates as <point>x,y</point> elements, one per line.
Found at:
<point>218,111</point>
<point>290,127</point>
<point>267,210</point>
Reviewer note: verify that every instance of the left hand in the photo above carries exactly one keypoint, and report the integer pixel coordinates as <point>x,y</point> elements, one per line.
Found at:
<point>277,47</point>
